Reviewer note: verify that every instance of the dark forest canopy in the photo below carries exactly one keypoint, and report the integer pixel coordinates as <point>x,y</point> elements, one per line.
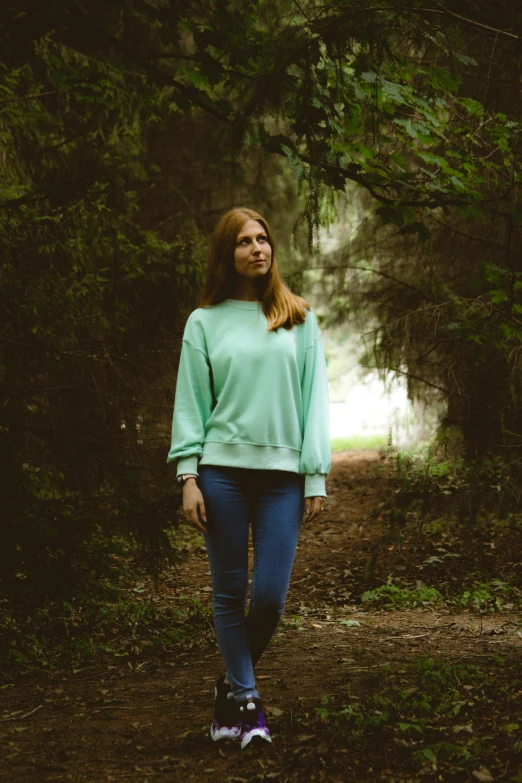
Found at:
<point>377,93</point>
<point>126,127</point>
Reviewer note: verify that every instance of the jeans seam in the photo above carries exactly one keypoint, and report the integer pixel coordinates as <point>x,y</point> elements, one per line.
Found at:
<point>254,574</point>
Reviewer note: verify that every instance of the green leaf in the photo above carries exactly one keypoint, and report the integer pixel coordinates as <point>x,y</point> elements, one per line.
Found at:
<point>278,144</point>
<point>389,215</point>
<point>498,296</point>
<point>418,228</point>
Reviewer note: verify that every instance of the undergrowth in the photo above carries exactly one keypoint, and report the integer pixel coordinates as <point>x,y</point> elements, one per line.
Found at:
<point>480,597</point>
<point>71,634</point>
<point>391,596</point>
<point>433,483</point>
<point>359,442</point>
<point>121,620</point>
<point>430,719</point>
<point>456,532</point>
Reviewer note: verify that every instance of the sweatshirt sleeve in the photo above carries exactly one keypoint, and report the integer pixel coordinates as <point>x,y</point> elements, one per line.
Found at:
<point>316,453</point>
<point>192,408</point>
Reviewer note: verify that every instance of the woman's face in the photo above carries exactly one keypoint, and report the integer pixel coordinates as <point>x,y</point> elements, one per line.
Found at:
<point>253,254</point>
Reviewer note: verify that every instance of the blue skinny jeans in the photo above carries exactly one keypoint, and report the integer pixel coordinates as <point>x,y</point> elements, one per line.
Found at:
<point>273,501</point>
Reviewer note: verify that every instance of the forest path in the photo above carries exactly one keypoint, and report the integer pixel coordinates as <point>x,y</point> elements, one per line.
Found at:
<point>150,723</point>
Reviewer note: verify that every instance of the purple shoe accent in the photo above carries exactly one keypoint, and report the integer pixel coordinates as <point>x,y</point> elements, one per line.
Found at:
<point>227,717</point>
<point>254,722</point>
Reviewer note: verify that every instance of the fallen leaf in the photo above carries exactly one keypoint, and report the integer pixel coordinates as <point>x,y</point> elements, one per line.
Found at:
<point>468,729</point>
<point>483,775</point>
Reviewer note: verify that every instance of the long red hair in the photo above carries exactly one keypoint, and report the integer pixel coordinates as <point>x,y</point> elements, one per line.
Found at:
<point>280,306</point>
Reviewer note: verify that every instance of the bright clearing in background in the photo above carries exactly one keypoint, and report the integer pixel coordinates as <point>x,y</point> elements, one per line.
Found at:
<point>371,411</point>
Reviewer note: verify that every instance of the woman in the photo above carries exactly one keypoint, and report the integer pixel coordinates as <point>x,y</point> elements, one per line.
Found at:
<point>251,441</point>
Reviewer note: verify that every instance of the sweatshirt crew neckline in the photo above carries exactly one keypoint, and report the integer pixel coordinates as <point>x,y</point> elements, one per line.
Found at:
<point>242,304</point>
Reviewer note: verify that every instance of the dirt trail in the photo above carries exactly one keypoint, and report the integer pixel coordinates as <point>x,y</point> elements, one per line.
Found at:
<point>150,723</point>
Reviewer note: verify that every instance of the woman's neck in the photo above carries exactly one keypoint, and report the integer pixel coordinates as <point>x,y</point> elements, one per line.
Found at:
<point>246,291</point>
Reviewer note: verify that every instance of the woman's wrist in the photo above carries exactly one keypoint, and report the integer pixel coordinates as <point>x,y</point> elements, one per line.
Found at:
<point>184,477</point>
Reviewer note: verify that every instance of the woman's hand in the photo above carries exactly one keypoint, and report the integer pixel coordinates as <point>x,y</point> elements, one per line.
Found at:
<point>193,504</point>
<point>313,507</point>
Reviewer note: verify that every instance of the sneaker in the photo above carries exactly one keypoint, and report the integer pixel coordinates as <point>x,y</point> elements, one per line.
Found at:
<point>254,723</point>
<point>227,717</point>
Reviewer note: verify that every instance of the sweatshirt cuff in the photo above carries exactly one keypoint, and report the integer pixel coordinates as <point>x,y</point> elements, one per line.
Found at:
<point>188,465</point>
<point>315,485</point>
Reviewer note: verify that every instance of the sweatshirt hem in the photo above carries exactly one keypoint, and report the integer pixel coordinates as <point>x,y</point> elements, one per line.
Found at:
<point>247,455</point>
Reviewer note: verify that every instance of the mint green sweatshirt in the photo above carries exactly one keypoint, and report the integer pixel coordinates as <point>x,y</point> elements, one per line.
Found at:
<point>250,398</point>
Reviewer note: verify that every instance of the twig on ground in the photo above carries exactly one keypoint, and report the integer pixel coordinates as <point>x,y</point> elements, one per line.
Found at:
<point>31,712</point>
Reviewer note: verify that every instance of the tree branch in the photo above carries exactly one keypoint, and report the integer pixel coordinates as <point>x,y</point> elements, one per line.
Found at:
<point>352,173</point>
<point>29,97</point>
<point>301,11</point>
<point>449,392</point>
<point>89,391</point>
<point>466,236</point>
<point>382,274</point>
<point>160,78</point>
<point>472,22</point>
<point>440,11</point>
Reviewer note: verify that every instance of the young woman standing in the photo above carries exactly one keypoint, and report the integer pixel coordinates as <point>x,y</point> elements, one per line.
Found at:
<point>251,441</point>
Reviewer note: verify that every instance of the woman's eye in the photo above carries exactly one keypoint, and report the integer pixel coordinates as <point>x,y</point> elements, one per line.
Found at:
<point>246,240</point>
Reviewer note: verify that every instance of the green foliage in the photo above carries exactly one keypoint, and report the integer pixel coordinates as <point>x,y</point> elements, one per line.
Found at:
<point>77,633</point>
<point>391,596</point>
<point>425,718</point>
<point>368,93</point>
<point>356,442</point>
<point>494,596</point>
<point>430,269</point>
<point>480,598</point>
<point>99,273</point>
<point>437,482</point>
<point>95,287</point>
<point>90,300</point>
<point>367,99</point>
